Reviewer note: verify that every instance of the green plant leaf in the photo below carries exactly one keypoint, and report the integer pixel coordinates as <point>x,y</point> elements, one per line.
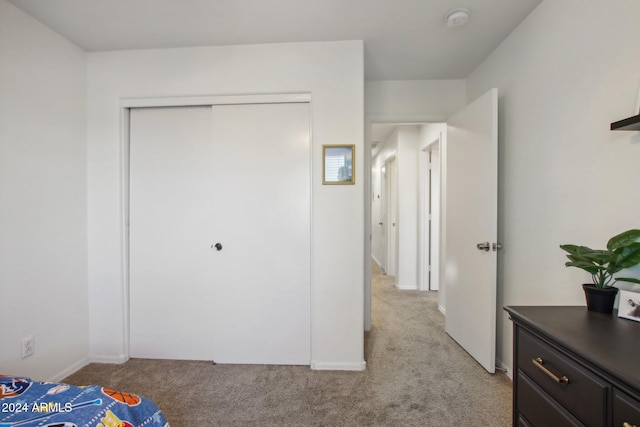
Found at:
<point>584,250</point>
<point>627,256</point>
<point>623,239</point>
<point>623,251</point>
<point>586,266</point>
<point>628,279</point>
<point>569,248</point>
<point>597,256</point>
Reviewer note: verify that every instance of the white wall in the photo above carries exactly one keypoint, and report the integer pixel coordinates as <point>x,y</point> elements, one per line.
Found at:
<point>407,227</point>
<point>333,73</point>
<point>413,100</point>
<point>564,176</point>
<point>43,247</point>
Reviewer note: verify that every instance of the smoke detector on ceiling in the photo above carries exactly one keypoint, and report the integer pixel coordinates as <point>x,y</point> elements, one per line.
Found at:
<point>457,17</point>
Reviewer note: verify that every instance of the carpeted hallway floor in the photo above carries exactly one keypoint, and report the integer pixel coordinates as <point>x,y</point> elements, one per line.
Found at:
<point>416,376</point>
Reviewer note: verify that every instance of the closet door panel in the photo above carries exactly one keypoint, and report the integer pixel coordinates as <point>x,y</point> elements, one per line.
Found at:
<point>261,304</point>
<point>170,274</point>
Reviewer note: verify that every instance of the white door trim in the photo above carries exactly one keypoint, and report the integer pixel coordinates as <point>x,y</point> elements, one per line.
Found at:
<point>180,101</point>
<point>125,105</point>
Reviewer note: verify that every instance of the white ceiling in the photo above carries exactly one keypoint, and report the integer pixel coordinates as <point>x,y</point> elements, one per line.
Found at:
<point>404,39</point>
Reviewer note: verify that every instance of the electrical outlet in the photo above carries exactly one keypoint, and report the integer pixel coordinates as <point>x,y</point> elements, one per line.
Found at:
<point>28,347</point>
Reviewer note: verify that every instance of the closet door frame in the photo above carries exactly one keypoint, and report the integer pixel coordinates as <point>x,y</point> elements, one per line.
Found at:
<point>189,101</point>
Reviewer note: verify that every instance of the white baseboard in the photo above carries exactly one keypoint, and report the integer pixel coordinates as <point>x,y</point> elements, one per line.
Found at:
<point>322,366</point>
<point>113,360</point>
<point>376,261</point>
<point>441,308</point>
<point>70,370</point>
<point>406,288</point>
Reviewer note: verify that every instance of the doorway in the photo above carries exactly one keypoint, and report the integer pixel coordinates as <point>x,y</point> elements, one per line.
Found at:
<point>476,124</point>
<point>390,217</point>
<point>429,216</point>
<point>405,187</point>
<point>383,144</point>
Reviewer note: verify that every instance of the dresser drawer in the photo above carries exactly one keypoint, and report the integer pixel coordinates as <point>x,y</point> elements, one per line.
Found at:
<point>626,409</point>
<point>538,409</point>
<point>585,395</point>
<point>522,422</point>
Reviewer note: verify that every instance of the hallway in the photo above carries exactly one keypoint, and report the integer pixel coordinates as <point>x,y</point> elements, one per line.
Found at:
<point>408,348</point>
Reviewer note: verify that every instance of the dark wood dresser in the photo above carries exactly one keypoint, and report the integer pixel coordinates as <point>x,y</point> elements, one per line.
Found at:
<point>573,367</point>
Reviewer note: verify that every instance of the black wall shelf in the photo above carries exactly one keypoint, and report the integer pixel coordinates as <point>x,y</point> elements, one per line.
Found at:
<point>631,123</point>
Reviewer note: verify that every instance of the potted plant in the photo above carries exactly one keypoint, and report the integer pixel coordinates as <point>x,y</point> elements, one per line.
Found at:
<point>623,251</point>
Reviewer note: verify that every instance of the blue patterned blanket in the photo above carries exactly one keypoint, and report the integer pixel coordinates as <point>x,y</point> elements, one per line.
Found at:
<point>28,403</point>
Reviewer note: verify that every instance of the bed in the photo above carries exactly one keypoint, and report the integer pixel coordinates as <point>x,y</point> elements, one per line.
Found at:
<point>28,403</point>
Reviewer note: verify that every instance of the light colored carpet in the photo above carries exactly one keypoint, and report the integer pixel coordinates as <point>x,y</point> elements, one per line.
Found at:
<point>416,376</point>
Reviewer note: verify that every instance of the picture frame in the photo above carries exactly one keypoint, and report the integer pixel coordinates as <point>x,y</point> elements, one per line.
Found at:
<point>338,164</point>
<point>629,305</point>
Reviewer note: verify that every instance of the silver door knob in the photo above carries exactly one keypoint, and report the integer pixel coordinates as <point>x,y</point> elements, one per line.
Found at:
<point>496,246</point>
<point>486,246</point>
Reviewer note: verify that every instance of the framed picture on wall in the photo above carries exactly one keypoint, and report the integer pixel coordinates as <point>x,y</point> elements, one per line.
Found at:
<point>629,305</point>
<point>338,164</point>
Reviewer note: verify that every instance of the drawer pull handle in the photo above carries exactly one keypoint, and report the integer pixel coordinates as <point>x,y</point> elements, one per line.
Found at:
<point>538,362</point>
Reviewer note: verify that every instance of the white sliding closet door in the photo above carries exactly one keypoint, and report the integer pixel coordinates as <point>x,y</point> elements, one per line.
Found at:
<point>170,278</point>
<point>261,304</point>
<point>233,175</point>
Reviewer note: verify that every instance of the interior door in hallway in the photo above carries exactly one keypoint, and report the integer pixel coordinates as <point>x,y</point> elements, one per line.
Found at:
<point>220,233</point>
<point>471,228</point>
<point>391,202</point>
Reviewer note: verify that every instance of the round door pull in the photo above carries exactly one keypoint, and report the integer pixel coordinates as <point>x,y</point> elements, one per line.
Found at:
<point>218,246</point>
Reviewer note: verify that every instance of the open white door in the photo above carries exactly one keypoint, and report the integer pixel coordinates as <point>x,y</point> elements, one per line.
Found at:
<point>391,199</point>
<point>471,228</point>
